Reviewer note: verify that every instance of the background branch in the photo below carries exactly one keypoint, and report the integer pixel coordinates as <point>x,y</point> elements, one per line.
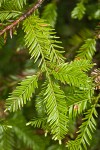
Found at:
<point>24,16</point>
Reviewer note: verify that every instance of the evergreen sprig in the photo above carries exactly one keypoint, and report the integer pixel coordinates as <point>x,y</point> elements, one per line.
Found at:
<point>87,50</point>
<point>56,110</point>
<point>73,74</point>
<point>38,122</point>
<point>23,133</point>
<point>40,42</point>
<point>76,95</point>
<point>85,132</point>
<point>66,91</point>
<point>22,93</point>
<point>19,3</point>
<point>7,14</point>
<point>6,136</point>
<point>78,11</point>
<point>77,100</point>
<point>7,140</point>
<point>15,4</point>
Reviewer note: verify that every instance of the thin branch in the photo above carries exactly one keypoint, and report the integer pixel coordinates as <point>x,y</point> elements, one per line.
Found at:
<point>23,17</point>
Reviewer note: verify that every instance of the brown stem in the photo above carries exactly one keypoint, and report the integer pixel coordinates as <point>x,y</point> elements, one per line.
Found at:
<point>24,16</point>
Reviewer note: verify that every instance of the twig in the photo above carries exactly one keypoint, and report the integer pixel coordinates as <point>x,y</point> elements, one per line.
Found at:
<point>23,17</point>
